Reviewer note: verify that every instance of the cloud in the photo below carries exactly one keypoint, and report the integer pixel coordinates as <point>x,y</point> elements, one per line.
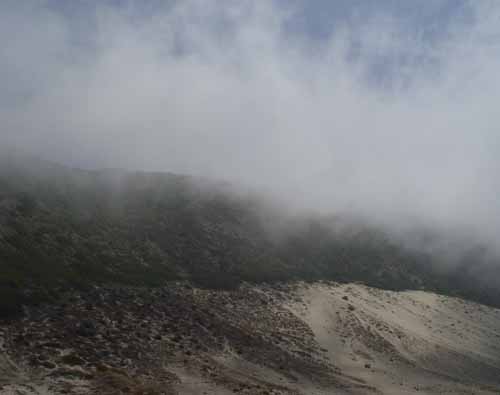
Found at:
<point>374,118</point>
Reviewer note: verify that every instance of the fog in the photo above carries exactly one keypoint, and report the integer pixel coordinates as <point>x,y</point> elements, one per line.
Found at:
<point>375,117</point>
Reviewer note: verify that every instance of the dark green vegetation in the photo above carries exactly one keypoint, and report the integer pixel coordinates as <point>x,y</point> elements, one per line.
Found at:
<point>64,228</point>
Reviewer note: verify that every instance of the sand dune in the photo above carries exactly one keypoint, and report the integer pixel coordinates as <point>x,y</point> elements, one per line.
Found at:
<point>406,342</point>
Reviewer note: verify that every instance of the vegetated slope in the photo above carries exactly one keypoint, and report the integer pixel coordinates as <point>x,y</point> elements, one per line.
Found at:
<point>62,227</point>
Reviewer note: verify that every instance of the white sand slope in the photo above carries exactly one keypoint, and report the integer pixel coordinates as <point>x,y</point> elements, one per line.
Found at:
<point>405,342</point>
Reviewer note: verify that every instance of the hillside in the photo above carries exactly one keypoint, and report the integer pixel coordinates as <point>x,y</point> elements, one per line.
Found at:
<point>285,339</point>
<point>116,282</point>
<point>63,228</point>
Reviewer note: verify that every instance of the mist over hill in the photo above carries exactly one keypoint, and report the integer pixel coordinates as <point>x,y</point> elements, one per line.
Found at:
<point>63,228</point>
<point>365,134</point>
<point>389,113</point>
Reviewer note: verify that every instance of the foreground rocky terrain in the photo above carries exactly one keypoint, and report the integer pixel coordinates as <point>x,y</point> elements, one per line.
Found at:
<point>298,338</point>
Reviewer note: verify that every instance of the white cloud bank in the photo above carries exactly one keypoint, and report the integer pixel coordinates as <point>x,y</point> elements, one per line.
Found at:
<point>220,89</point>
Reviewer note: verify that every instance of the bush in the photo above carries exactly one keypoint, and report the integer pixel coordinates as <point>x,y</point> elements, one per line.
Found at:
<point>215,280</point>
<point>11,302</point>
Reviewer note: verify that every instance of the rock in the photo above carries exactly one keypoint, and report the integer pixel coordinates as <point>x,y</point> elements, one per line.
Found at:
<point>72,359</point>
<point>86,329</point>
<point>48,364</point>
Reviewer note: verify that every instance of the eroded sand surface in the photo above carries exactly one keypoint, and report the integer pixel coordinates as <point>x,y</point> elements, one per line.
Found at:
<point>288,339</point>
<point>406,342</point>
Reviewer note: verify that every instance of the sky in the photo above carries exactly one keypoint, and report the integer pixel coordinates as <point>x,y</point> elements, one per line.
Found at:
<point>385,108</point>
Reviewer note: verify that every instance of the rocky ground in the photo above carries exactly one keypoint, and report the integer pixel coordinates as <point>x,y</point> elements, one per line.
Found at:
<point>282,339</point>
